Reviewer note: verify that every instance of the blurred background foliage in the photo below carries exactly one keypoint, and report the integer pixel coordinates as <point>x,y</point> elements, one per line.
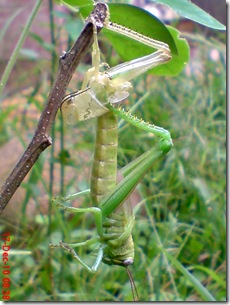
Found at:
<point>180,206</point>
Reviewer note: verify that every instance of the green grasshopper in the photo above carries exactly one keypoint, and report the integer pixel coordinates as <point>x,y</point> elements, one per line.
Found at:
<point>112,211</point>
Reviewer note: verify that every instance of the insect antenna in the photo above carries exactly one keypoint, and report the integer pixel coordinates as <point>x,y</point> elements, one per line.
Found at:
<point>133,286</point>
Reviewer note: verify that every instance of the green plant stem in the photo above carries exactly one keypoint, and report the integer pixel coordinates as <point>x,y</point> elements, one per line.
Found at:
<point>51,170</point>
<point>20,42</point>
<point>53,56</point>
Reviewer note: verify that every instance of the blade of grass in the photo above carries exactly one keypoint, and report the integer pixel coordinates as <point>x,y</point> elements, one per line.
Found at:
<point>19,44</point>
<point>204,293</point>
<point>212,273</point>
<point>8,22</point>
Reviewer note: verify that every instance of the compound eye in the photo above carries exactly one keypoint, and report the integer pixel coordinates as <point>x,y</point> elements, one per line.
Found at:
<point>128,261</point>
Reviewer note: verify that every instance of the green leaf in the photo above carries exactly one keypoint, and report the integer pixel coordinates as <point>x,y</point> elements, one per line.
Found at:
<point>73,26</point>
<point>139,20</point>
<point>47,46</point>
<point>191,11</point>
<point>147,24</point>
<point>178,61</point>
<point>142,22</point>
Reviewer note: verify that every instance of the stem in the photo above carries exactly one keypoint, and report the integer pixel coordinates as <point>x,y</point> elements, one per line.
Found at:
<point>51,284</point>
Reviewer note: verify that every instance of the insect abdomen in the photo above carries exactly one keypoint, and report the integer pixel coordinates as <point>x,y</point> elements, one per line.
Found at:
<point>117,237</point>
<point>104,167</point>
<point>119,249</point>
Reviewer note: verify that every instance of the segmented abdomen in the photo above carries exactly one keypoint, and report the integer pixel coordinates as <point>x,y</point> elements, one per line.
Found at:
<point>117,237</point>
<point>104,167</point>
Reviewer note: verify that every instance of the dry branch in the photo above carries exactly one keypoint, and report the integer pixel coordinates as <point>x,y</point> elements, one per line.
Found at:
<point>41,139</point>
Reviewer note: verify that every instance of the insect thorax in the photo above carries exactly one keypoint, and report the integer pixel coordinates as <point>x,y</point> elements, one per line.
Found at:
<point>108,88</point>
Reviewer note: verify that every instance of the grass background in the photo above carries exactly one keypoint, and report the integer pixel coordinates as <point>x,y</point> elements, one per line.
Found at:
<point>180,205</point>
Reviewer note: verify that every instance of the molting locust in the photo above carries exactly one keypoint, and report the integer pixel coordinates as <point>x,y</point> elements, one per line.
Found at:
<point>100,93</point>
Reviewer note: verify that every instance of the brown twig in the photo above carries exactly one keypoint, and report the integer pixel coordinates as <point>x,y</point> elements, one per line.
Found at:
<point>41,139</point>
